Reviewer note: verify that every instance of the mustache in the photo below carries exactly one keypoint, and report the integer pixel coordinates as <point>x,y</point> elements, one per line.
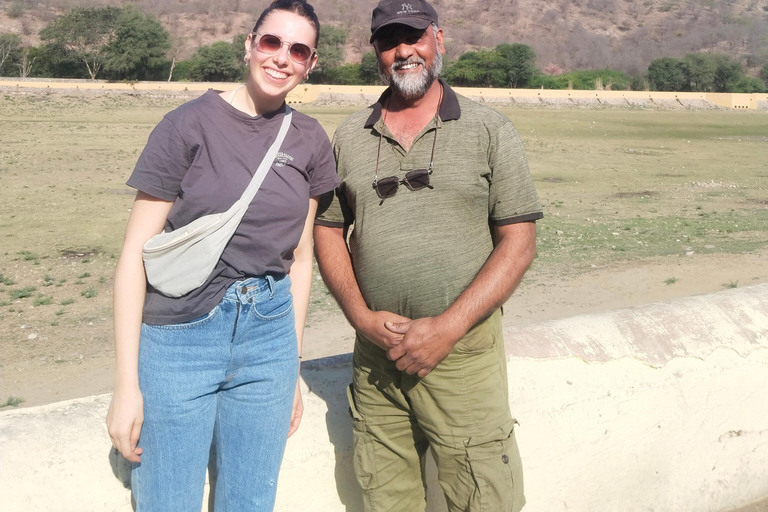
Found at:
<point>399,64</point>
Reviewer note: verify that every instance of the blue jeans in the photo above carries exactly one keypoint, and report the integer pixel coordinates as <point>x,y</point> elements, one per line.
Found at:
<point>228,376</point>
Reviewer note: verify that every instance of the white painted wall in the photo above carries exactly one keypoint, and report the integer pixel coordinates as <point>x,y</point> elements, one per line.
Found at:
<point>658,408</point>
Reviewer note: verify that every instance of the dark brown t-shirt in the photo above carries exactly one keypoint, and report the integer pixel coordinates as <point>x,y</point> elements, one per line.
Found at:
<point>202,156</point>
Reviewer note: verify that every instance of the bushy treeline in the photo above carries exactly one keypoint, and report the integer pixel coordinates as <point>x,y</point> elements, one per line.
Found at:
<point>115,44</point>
<point>514,66</point>
<point>703,72</point>
<point>126,44</point>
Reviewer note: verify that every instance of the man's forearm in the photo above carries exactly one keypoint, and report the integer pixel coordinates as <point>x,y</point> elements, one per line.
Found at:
<point>335,265</point>
<point>502,272</point>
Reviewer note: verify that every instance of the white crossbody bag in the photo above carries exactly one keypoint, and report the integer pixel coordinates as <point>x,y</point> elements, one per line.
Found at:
<point>178,261</point>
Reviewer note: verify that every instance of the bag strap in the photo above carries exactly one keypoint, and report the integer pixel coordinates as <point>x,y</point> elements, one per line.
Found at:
<point>266,164</point>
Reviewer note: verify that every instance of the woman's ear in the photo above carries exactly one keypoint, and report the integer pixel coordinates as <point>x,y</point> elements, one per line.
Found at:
<point>311,66</point>
<point>248,45</point>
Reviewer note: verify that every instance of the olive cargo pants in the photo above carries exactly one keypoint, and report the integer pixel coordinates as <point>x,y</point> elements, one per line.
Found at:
<point>460,411</point>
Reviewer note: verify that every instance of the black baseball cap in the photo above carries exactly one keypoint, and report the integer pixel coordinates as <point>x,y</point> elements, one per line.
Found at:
<point>413,13</point>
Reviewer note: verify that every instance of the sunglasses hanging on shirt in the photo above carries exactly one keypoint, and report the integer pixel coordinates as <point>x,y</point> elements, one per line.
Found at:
<point>413,180</point>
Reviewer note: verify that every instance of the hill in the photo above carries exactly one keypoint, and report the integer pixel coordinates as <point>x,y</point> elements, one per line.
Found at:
<point>566,34</point>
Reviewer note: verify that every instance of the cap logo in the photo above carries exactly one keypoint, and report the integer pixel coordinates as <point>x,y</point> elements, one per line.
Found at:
<point>407,9</point>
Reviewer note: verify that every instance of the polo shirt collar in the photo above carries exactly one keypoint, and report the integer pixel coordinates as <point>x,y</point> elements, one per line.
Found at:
<point>449,108</point>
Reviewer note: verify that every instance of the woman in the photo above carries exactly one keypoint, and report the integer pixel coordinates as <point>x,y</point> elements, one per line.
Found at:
<point>221,362</point>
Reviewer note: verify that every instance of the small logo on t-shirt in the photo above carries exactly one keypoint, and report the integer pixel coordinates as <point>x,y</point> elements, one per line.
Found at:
<point>282,159</point>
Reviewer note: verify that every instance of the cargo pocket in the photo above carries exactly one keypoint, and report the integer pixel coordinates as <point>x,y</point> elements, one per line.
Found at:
<point>496,470</point>
<point>362,458</point>
<point>481,337</point>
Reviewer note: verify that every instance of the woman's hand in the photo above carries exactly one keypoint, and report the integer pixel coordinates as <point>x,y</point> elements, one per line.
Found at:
<point>298,410</point>
<point>124,420</point>
<point>126,412</point>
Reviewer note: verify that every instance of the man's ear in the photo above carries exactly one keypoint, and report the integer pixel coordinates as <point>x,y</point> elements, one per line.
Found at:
<point>439,38</point>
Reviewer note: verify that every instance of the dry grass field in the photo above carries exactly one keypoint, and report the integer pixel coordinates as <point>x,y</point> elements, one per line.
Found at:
<point>639,206</point>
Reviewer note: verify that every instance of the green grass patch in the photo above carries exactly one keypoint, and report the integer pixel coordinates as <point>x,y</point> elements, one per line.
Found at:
<point>89,293</point>
<point>84,275</point>
<point>670,280</point>
<point>12,401</point>
<point>42,301</point>
<point>67,302</point>
<point>22,293</point>
<point>28,255</point>
<point>561,241</point>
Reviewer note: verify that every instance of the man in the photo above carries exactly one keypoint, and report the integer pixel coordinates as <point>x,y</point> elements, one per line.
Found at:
<point>426,271</point>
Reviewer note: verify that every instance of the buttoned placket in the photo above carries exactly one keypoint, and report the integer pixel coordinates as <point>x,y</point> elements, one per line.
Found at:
<point>401,154</point>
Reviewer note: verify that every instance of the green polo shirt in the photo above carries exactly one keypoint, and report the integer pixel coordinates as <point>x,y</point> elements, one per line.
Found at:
<point>416,252</point>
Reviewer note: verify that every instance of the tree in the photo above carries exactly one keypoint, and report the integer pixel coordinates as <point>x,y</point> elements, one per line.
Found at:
<point>638,83</point>
<point>85,32</point>
<point>238,47</point>
<point>764,74</point>
<point>217,63</point>
<point>53,60</point>
<point>184,70</point>
<point>519,63</point>
<point>728,73</point>
<point>330,50</point>
<point>666,74</point>
<point>10,53</point>
<point>348,74</point>
<point>177,45</point>
<point>699,69</point>
<point>749,85</point>
<point>369,70</point>
<point>137,47</point>
<point>25,64</point>
<point>484,68</point>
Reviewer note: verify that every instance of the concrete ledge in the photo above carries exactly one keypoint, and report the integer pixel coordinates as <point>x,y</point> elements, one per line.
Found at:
<point>661,407</point>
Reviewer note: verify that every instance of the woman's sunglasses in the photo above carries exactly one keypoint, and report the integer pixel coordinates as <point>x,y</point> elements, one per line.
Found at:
<point>271,44</point>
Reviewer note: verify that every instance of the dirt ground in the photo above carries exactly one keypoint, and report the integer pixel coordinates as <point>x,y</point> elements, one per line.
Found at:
<point>539,298</point>
<point>640,207</point>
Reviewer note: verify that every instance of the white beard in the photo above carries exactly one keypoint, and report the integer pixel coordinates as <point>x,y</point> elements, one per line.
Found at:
<point>412,86</point>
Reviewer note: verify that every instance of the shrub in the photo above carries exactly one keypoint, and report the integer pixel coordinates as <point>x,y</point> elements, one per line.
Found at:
<point>750,84</point>
<point>89,293</point>
<point>42,301</point>
<point>23,293</point>
<point>348,74</point>
<point>764,73</point>
<point>667,74</point>
<point>583,80</point>
<point>217,63</point>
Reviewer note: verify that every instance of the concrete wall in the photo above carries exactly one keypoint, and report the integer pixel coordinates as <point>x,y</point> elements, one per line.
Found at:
<point>657,408</point>
<point>365,95</point>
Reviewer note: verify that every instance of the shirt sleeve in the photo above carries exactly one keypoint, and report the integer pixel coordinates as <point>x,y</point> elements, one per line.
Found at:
<point>331,211</point>
<point>512,196</point>
<point>322,175</point>
<point>163,163</point>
